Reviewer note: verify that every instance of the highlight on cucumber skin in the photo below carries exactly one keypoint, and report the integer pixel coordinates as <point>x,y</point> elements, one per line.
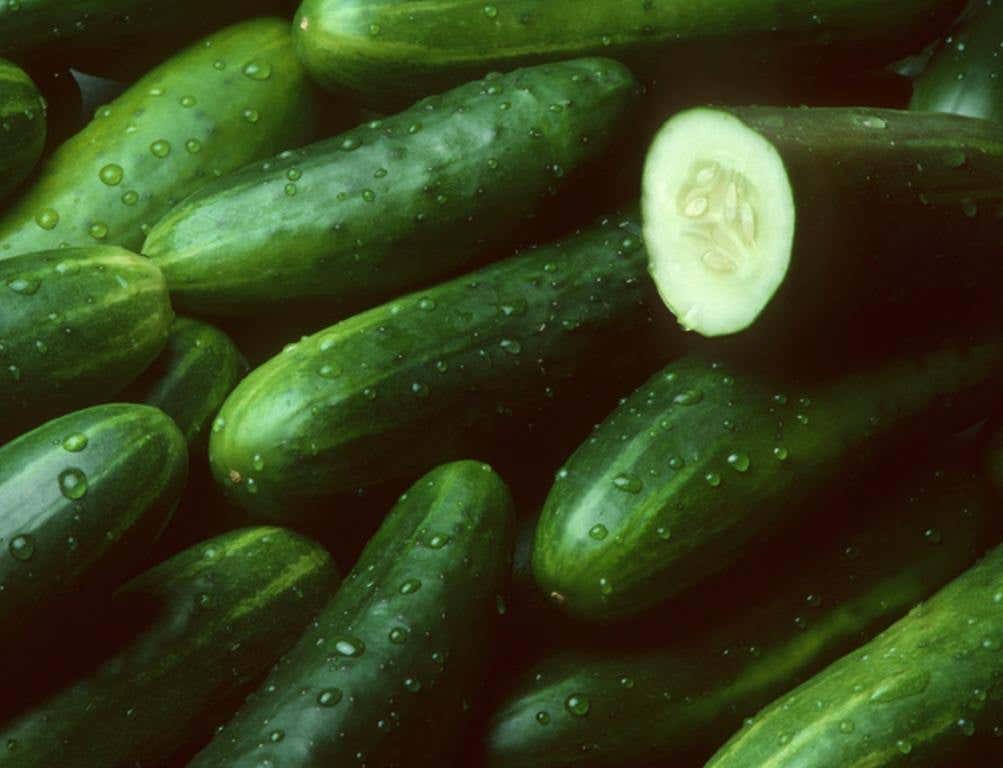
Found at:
<point>719,220</point>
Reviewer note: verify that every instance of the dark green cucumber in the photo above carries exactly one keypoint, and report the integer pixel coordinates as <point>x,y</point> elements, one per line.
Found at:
<point>963,77</point>
<point>117,37</point>
<point>831,588</point>
<point>915,695</point>
<point>198,368</point>
<point>394,204</point>
<point>201,630</point>
<point>704,458</point>
<point>22,126</point>
<point>77,326</point>
<point>384,49</point>
<point>237,96</point>
<point>400,651</point>
<point>81,500</point>
<point>811,223</point>
<point>480,362</point>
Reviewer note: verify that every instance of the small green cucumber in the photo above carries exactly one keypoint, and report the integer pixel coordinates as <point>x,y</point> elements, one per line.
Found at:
<point>401,650</point>
<point>201,630</point>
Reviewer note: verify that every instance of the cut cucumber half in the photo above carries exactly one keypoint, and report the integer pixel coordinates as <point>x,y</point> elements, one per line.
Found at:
<point>719,211</point>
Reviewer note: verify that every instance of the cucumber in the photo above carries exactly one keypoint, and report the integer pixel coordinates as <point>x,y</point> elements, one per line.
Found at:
<point>77,325</point>
<point>483,362</point>
<point>762,215</point>
<point>200,630</point>
<point>385,49</point>
<point>703,458</point>
<point>117,37</point>
<point>915,695</point>
<point>395,203</point>
<point>400,651</point>
<point>198,368</point>
<point>963,77</point>
<point>81,499</point>
<point>22,126</point>
<point>832,587</point>
<point>237,96</point>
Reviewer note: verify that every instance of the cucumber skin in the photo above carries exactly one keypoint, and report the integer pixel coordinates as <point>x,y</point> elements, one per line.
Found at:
<point>214,618</point>
<point>969,52</point>
<point>495,358</point>
<point>846,429</point>
<point>935,673</point>
<point>868,574</point>
<point>448,622</point>
<point>938,173</point>
<point>383,49</point>
<point>327,224</point>
<point>70,183</point>
<point>135,463</point>
<point>97,317</point>
<point>198,368</point>
<point>23,121</point>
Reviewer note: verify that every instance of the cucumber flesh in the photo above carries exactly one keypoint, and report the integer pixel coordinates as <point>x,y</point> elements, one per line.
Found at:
<point>721,213</point>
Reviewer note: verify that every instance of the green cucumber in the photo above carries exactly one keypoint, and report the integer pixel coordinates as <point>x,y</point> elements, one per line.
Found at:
<point>198,368</point>
<point>237,96</point>
<point>704,458</point>
<point>395,203</point>
<point>117,37</point>
<point>22,126</point>
<point>481,362</point>
<point>915,695</point>
<point>830,589</point>
<point>401,649</point>
<point>776,216</point>
<point>201,630</point>
<point>81,499</point>
<point>384,49</point>
<point>963,77</point>
<point>78,325</point>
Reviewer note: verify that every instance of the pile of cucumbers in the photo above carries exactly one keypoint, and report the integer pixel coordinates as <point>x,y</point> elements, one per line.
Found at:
<point>501,384</point>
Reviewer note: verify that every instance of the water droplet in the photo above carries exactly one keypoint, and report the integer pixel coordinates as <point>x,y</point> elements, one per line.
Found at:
<point>25,286</point>
<point>739,462</point>
<point>75,443</point>
<point>846,726</point>
<point>511,346</point>
<point>781,453</point>
<point>713,479</point>
<point>329,697</point>
<point>193,146</point>
<point>160,148</point>
<point>932,536</point>
<point>491,11</point>
<point>257,70</point>
<point>437,541</point>
<point>368,195</point>
<point>328,371</point>
<point>627,483</point>
<point>577,704</point>
<point>111,175</point>
<point>605,586</point>
<point>73,483</point>
<point>873,121</point>
<point>689,397</point>
<point>627,682</point>
<point>966,726</point>
<point>543,718</point>
<point>349,646</point>
<point>251,115</point>
<point>276,736</point>
<point>411,685</point>
<point>98,230</point>
<point>47,218</point>
<point>398,635</point>
<point>22,547</point>
<point>410,586</point>
<point>130,198</point>
<point>187,102</point>
<point>904,746</point>
<point>598,532</point>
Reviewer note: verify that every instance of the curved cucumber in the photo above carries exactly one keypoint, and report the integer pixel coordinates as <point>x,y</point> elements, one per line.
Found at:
<point>198,368</point>
<point>81,500</point>
<point>914,695</point>
<point>77,326</point>
<point>237,96</point>
<point>395,203</point>
<point>963,77</point>
<point>400,649</point>
<point>702,459</point>
<point>22,126</point>
<point>201,630</point>
<point>482,362</point>
<point>829,590</point>
<point>384,49</point>
<point>773,216</point>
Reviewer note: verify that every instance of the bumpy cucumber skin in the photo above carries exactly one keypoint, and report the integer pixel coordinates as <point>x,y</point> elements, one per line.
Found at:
<point>395,203</point>
<point>214,618</point>
<point>118,38</point>
<point>198,368</point>
<point>914,695</point>
<point>489,357</point>
<point>184,123</point>
<point>421,604</point>
<point>713,457</point>
<point>78,325</point>
<point>81,500</point>
<point>963,77</point>
<point>383,49</point>
<point>665,704</point>
<point>22,126</point>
